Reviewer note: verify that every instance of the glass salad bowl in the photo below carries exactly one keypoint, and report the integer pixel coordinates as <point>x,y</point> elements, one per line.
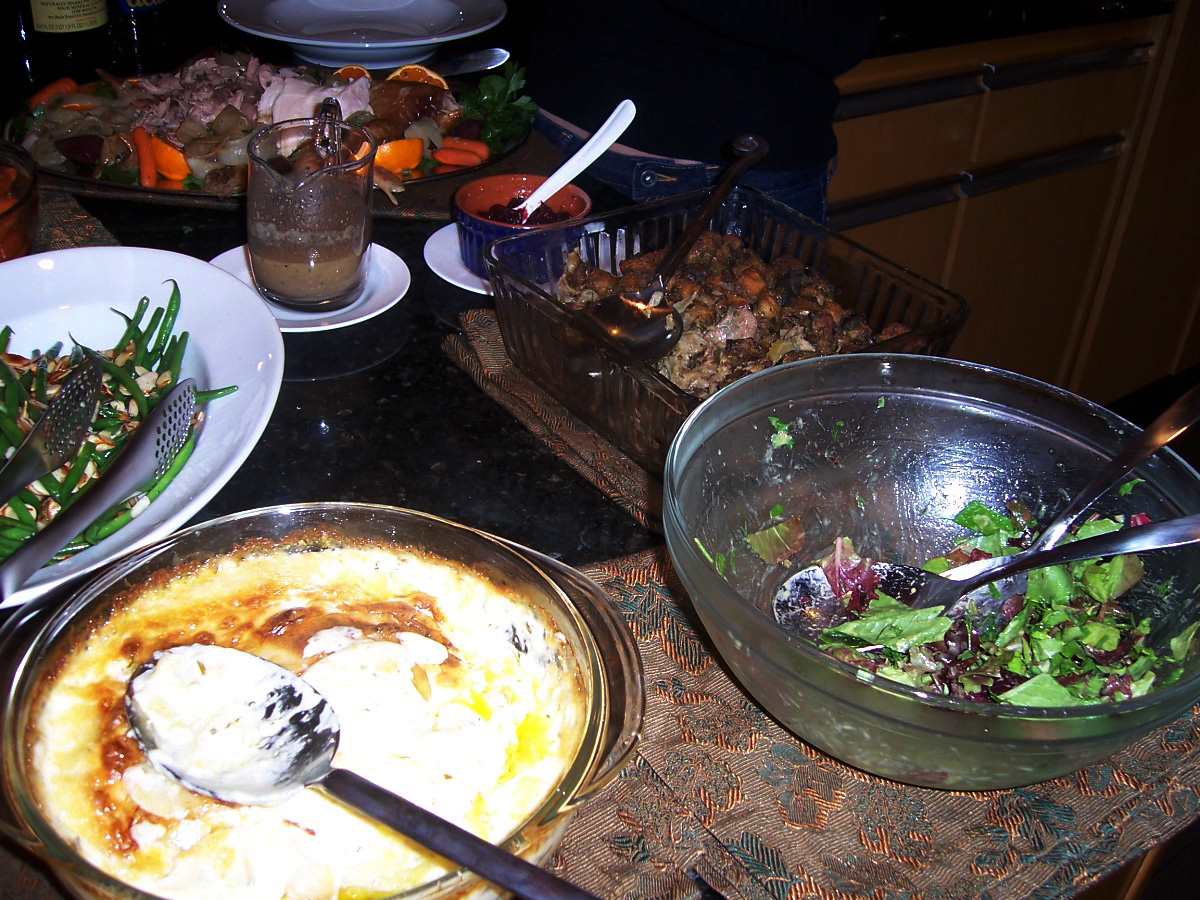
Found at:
<point>886,449</point>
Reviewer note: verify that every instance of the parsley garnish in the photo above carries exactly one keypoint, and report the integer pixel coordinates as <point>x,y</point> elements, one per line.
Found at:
<point>497,102</point>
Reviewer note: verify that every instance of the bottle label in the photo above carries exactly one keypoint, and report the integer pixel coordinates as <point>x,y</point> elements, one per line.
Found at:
<point>65,16</point>
<point>136,6</point>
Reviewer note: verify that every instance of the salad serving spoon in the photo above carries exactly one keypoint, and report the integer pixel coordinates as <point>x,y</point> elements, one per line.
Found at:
<point>802,598</point>
<point>645,322</point>
<point>57,435</point>
<point>1176,419</point>
<point>806,602</point>
<point>255,733</point>
<point>602,138</point>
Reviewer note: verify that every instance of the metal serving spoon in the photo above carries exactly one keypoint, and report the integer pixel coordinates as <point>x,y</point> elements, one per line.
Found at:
<point>144,459</point>
<point>602,138</point>
<point>806,602</point>
<point>1176,419</point>
<point>475,61</point>
<point>643,321</point>
<point>803,598</point>
<point>233,726</point>
<point>56,436</point>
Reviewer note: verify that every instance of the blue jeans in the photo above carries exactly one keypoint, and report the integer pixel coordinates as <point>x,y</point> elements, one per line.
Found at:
<point>643,177</point>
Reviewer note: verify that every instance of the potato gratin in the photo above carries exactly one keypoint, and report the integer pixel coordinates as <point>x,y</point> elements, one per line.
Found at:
<point>449,691</point>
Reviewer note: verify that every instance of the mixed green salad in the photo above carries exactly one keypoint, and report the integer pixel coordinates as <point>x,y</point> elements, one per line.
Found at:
<point>1062,639</point>
<point>1066,640</point>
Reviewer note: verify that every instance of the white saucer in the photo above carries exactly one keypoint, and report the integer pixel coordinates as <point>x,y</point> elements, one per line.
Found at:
<point>442,255</point>
<point>388,280</point>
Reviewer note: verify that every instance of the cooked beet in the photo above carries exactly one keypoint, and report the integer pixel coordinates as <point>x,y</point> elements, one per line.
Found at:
<point>84,149</point>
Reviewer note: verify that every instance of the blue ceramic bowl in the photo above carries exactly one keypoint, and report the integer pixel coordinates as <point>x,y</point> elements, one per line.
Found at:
<point>475,198</point>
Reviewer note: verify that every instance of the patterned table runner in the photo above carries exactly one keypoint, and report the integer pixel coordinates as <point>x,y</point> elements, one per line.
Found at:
<point>773,817</point>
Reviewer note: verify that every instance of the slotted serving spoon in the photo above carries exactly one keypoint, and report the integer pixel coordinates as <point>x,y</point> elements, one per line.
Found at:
<point>643,321</point>
<point>270,733</point>
<point>144,459</point>
<point>55,437</point>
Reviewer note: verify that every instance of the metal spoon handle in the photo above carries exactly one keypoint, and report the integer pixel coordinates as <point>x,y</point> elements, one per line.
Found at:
<point>1155,536</point>
<point>1168,426</point>
<point>749,148</point>
<point>144,458</point>
<point>1176,419</point>
<point>446,839</point>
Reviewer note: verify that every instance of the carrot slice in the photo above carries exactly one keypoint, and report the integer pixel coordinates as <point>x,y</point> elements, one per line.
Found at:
<point>64,85</point>
<point>479,148</point>
<point>169,161</point>
<point>147,173</point>
<point>456,157</point>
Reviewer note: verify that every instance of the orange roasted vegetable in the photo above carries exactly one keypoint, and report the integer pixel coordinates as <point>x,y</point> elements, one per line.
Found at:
<point>479,148</point>
<point>456,157</point>
<point>64,85</point>
<point>169,161</point>
<point>147,172</point>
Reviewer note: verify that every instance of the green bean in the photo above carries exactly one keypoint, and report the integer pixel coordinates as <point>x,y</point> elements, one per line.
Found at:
<point>19,505</point>
<point>15,530</point>
<point>12,431</point>
<point>173,358</point>
<point>53,487</point>
<point>39,382</point>
<point>132,325</point>
<point>166,326</point>
<point>215,393</point>
<point>98,531</point>
<point>142,357</point>
<point>126,381</point>
<point>13,383</point>
<point>78,466</point>
<point>5,337</point>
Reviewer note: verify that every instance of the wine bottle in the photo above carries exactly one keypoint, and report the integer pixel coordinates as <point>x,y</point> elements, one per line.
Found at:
<point>66,37</point>
<point>14,58</point>
<point>141,36</point>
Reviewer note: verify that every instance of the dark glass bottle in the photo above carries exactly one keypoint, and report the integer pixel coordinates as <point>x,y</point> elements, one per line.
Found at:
<point>141,35</point>
<point>65,37</point>
<point>14,58</point>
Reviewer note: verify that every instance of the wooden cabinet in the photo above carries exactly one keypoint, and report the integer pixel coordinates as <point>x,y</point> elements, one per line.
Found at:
<point>1026,175</point>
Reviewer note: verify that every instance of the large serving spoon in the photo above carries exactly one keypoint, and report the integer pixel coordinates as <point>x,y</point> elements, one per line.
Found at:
<point>233,726</point>
<point>56,437</point>
<point>799,603</point>
<point>146,456</point>
<point>644,322</point>
<point>1176,419</point>
<point>808,602</point>
<point>602,138</point>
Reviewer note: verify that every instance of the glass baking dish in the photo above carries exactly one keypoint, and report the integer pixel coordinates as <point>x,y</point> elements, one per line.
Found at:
<point>628,401</point>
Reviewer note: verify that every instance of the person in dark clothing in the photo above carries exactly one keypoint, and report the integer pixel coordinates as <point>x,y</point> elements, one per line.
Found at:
<point>701,72</point>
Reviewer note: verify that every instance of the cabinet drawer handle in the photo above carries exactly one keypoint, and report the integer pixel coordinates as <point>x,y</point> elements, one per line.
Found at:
<point>1043,166</point>
<point>1017,74</point>
<point>880,100</point>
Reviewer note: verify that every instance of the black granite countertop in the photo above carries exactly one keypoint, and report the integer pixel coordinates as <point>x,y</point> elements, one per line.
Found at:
<point>376,412</point>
